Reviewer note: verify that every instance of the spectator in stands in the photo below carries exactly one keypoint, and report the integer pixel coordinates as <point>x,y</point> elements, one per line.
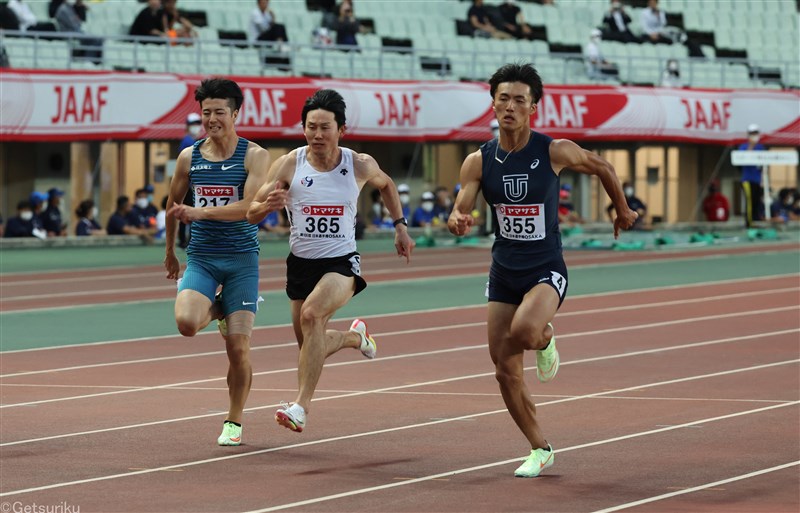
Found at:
<point>175,24</point>
<point>380,214</point>
<point>51,217</point>
<point>405,199</point>
<point>566,209</point>
<point>120,222</point>
<point>27,20</point>
<point>654,24</point>
<point>149,21</point>
<point>194,125</point>
<point>143,212</point>
<point>479,19</point>
<point>634,204</point>
<point>782,211</point>
<point>8,20</point>
<point>347,26</point>
<point>442,206</point>
<point>80,8</point>
<point>275,222</point>
<point>715,205</point>
<point>597,66</point>
<point>263,26</point>
<point>671,77</point>
<point>87,224</point>
<point>37,200</point>
<point>423,215</point>
<point>615,24</point>
<point>751,179</point>
<point>69,20</point>
<point>20,225</point>
<point>514,21</point>
<point>161,219</point>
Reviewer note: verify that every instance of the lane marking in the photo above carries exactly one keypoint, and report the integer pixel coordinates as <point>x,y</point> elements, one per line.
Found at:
<point>291,344</point>
<point>699,488</point>
<point>389,358</point>
<point>411,312</point>
<point>433,423</point>
<point>400,387</point>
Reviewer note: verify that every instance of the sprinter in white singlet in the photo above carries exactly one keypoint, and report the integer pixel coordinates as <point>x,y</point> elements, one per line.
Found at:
<point>319,186</point>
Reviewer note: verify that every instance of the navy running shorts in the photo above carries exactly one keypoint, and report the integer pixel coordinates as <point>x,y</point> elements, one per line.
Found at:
<point>510,286</point>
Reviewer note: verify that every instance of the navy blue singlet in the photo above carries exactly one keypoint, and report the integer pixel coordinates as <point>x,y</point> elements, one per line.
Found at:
<point>522,193</point>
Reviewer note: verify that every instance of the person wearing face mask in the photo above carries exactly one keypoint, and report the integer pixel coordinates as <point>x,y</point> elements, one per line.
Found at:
<point>405,198</point>
<point>20,225</point>
<point>194,126</point>
<point>87,220</point>
<point>597,67</point>
<point>443,205</point>
<point>671,77</point>
<point>751,179</point>
<point>615,25</point>
<point>634,204</point>
<point>143,213</point>
<point>782,211</point>
<point>423,215</point>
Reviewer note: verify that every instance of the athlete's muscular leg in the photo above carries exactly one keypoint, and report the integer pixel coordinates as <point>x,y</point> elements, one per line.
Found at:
<point>193,312</point>
<point>310,318</point>
<point>507,356</point>
<point>529,327</point>
<point>240,371</point>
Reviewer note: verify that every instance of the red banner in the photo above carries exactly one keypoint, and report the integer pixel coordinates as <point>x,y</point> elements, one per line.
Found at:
<point>69,106</point>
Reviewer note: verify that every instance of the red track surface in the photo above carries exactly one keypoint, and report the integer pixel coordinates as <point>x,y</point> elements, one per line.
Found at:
<point>681,391</point>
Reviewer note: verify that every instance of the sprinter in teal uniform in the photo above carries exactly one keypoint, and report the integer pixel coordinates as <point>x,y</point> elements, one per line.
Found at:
<point>518,173</point>
<point>224,172</point>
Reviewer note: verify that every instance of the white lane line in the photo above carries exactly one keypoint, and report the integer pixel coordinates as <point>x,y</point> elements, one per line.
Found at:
<point>441,475</point>
<point>400,387</point>
<point>594,332</point>
<point>413,312</point>
<point>699,488</point>
<point>659,304</point>
<point>436,422</point>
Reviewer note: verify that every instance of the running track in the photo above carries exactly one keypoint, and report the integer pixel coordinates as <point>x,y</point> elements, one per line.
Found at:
<point>668,399</point>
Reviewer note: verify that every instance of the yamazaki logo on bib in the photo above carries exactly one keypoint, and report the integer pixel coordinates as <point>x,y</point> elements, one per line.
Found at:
<point>532,210</point>
<point>215,195</point>
<point>326,210</point>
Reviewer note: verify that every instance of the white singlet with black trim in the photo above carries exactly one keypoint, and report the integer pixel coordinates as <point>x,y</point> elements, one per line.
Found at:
<point>322,208</point>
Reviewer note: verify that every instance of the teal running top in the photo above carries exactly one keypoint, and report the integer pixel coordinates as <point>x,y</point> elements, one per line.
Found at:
<point>217,184</point>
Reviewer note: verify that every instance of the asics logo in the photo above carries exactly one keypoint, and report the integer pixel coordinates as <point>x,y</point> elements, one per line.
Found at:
<point>225,168</point>
<point>535,164</point>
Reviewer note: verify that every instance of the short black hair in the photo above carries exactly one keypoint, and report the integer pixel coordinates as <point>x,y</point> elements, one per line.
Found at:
<point>220,88</point>
<point>23,205</point>
<point>518,72</point>
<point>122,201</point>
<point>84,208</point>
<point>326,99</point>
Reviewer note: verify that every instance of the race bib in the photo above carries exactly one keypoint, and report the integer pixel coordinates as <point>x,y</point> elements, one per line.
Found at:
<point>521,222</point>
<point>215,195</point>
<point>321,221</point>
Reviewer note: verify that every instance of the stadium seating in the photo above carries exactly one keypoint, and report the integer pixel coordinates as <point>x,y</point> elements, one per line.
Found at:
<point>765,33</point>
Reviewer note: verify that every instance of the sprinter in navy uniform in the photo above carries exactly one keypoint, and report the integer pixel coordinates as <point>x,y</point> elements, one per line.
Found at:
<point>224,172</point>
<point>518,173</point>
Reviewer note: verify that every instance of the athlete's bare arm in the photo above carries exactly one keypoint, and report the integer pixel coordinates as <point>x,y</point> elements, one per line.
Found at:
<point>256,162</point>
<point>274,193</point>
<point>367,171</point>
<point>565,153</point>
<point>461,220</point>
<point>177,191</point>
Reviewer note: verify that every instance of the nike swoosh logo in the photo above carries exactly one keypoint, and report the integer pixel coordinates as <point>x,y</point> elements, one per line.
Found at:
<point>541,465</point>
<point>245,303</point>
<point>225,168</point>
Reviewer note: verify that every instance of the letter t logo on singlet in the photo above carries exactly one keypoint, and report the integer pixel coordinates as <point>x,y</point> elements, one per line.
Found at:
<point>515,187</point>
